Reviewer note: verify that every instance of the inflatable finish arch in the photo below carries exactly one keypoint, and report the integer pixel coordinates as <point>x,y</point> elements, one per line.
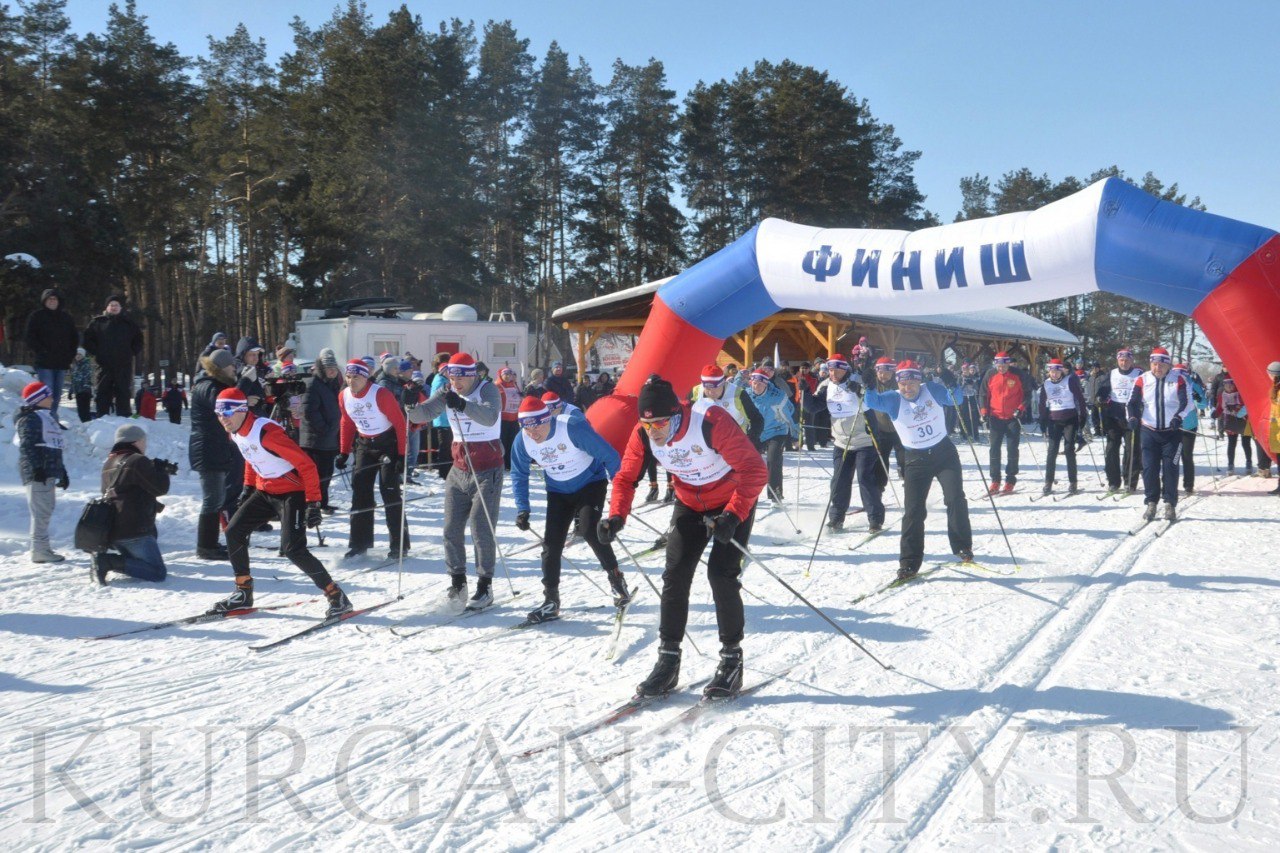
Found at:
<point>1109,237</point>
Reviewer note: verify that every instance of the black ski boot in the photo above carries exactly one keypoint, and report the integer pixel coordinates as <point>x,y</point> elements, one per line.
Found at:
<point>670,496</point>
<point>1073,489</point>
<point>728,678</point>
<point>238,600</point>
<point>338,601</point>
<point>484,595</point>
<point>355,553</point>
<point>618,583</point>
<point>666,672</point>
<point>457,587</point>
<point>1170,512</point>
<point>1149,513</point>
<point>907,572</point>
<point>549,611</point>
<point>965,555</point>
<point>835,526</point>
<point>652,497</point>
<point>1047,490</point>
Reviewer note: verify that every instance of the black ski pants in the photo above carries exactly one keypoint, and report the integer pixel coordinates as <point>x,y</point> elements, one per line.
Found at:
<point>324,467</point>
<point>114,385</point>
<point>773,448</point>
<point>375,459</point>
<point>1120,472</point>
<point>866,464</point>
<point>584,508</point>
<point>686,540</point>
<point>1188,460</point>
<point>1246,442</point>
<point>1062,436</point>
<point>940,462</point>
<point>1160,449</point>
<point>262,507</point>
<point>1004,432</point>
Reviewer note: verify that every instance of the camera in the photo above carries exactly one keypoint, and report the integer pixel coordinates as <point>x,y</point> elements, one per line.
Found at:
<point>165,466</point>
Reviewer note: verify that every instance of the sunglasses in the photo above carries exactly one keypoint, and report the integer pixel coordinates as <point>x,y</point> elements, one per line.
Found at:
<point>712,384</point>
<point>657,423</point>
<point>227,410</point>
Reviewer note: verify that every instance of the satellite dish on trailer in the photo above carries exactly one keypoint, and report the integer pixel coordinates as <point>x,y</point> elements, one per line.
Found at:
<point>20,258</point>
<point>459,313</point>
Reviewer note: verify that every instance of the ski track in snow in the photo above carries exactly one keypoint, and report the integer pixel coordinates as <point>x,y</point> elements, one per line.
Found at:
<point>1142,632</point>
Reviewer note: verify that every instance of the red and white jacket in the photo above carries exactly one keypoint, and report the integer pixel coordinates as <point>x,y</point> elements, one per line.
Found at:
<point>273,462</point>
<point>735,491</point>
<point>371,414</point>
<point>1158,401</point>
<point>511,397</point>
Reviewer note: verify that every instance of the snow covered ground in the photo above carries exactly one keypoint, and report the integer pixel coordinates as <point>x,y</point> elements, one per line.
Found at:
<point>1117,691</point>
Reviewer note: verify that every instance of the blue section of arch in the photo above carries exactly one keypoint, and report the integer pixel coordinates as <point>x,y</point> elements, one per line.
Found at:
<point>723,294</point>
<point>1165,254</point>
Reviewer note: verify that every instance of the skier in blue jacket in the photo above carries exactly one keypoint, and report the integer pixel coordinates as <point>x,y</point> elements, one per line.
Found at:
<point>776,408</point>
<point>578,464</point>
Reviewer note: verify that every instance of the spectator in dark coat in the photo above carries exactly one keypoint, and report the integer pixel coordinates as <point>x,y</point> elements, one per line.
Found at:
<point>174,401</point>
<point>52,336</point>
<point>134,482</point>
<point>212,454</point>
<point>114,341</point>
<point>318,434</point>
<point>559,382</point>
<point>249,373</point>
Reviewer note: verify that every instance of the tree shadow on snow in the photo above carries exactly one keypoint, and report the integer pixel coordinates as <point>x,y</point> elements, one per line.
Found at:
<point>14,684</point>
<point>1082,706</point>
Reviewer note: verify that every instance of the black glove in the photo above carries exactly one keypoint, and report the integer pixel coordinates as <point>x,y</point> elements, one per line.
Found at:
<point>397,467</point>
<point>37,474</point>
<point>1133,423</point>
<point>453,401</point>
<point>723,526</point>
<point>245,494</point>
<point>608,528</point>
<point>64,481</point>
<point>314,518</point>
<point>340,461</point>
<point>522,520</point>
<point>1176,423</point>
<point>164,466</point>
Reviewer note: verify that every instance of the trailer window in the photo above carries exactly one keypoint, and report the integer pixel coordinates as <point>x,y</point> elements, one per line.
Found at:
<point>502,349</point>
<point>381,346</point>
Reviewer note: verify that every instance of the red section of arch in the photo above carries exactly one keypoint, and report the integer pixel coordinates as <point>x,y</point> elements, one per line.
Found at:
<point>669,347</point>
<point>1241,318</point>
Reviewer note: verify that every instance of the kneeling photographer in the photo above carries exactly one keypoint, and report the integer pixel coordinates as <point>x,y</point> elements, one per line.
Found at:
<point>133,482</point>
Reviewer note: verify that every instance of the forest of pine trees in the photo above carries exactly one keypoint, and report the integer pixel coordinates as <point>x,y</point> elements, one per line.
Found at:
<point>430,164</point>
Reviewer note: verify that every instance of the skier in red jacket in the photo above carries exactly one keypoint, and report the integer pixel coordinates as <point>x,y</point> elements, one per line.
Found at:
<point>717,475</point>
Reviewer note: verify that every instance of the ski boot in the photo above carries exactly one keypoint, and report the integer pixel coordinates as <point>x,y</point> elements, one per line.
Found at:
<point>338,601</point>
<point>1073,489</point>
<point>239,600</point>
<point>965,555</point>
<point>728,678</point>
<point>1008,489</point>
<point>1170,512</point>
<point>906,572</point>
<point>994,489</point>
<point>670,496</point>
<point>875,528</point>
<point>618,583</point>
<point>652,497</point>
<point>1047,490</point>
<point>835,526</point>
<point>46,555</point>
<point>666,672</point>
<point>397,553</point>
<point>484,595</point>
<point>548,612</point>
<point>355,553</point>
<point>457,587</point>
<point>1149,513</point>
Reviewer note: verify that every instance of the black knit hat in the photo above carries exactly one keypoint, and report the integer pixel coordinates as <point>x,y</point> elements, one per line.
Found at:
<point>116,297</point>
<point>658,399</point>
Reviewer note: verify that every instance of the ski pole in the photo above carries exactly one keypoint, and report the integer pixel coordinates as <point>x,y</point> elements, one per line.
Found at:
<point>493,531</point>
<point>753,558</point>
<point>884,465</point>
<point>404,507</point>
<point>991,499</point>
<point>782,506</point>
<point>651,584</point>
<point>844,457</point>
<point>566,558</point>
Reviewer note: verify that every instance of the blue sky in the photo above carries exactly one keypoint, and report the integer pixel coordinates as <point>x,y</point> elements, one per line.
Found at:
<point>1185,89</point>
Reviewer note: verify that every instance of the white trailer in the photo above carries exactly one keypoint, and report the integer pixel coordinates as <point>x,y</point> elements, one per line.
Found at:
<point>498,343</point>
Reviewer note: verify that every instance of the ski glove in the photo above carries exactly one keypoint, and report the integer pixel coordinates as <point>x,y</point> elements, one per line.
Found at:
<point>1176,423</point>
<point>608,528</point>
<point>340,461</point>
<point>522,520</point>
<point>1133,423</point>
<point>245,494</point>
<point>723,526</point>
<point>314,518</point>
<point>453,401</point>
<point>64,481</point>
<point>37,475</point>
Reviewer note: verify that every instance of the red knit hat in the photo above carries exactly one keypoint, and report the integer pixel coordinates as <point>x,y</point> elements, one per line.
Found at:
<point>533,412</point>
<point>230,401</point>
<point>1160,354</point>
<point>1002,357</point>
<point>712,375</point>
<point>461,364</point>
<point>551,398</point>
<point>908,369</point>
<point>1055,364</point>
<point>357,367</point>
<point>885,362</point>
<point>34,392</point>
<point>837,360</point>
